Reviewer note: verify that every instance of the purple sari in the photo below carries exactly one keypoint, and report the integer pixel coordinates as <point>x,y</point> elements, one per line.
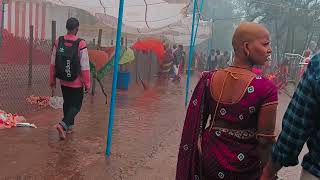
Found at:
<point>226,153</point>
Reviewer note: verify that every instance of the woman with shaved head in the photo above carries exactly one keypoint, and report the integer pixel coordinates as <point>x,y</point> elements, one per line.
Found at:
<point>234,142</point>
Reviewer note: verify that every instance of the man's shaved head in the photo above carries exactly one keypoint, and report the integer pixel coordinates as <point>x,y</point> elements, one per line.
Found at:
<point>247,32</point>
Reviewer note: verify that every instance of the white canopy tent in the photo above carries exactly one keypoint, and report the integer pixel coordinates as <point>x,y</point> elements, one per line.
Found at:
<point>145,17</point>
<point>142,14</point>
<point>180,32</point>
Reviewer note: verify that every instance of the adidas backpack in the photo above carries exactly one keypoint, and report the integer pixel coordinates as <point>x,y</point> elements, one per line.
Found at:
<point>67,62</point>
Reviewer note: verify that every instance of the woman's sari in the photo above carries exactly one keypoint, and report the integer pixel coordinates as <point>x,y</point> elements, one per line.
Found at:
<point>188,167</point>
<point>226,153</point>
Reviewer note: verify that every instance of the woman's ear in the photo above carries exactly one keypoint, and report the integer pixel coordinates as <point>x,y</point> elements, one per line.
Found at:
<point>246,49</point>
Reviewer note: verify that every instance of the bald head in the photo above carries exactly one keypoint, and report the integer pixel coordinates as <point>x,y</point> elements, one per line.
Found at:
<point>247,32</point>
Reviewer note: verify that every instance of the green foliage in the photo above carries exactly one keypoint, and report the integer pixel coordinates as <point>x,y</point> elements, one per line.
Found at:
<point>223,13</point>
<point>293,23</point>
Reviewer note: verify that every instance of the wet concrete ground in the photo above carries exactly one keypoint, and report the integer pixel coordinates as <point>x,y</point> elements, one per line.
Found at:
<point>146,137</point>
<point>163,165</point>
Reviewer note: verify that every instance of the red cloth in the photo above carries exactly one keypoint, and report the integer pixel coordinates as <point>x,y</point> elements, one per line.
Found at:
<point>99,58</point>
<point>153,45</point>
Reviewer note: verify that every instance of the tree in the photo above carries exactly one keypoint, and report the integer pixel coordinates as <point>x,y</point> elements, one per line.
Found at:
<point>292,23</point>
<point>223,14</point>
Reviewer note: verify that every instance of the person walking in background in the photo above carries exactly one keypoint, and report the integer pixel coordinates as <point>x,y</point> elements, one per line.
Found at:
<point>179,61</point>
<point>235,142</point>
<point>219,59</point>
<point>196,58</point>
<point>183,58</point>
<point>211,62</point>
<point>300,125</point>
<point>201,62</point>
<point>174,49</point>
<point>283,74</point>
<point>226,59</point>
<point>168,62</point>
<point>70,64</point>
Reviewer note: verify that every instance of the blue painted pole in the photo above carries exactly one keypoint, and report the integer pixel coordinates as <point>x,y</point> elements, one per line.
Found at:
<point>115,78</point>
<point>191,50</point>
<point>198,21</point>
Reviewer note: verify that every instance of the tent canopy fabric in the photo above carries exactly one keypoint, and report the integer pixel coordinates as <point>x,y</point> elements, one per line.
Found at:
<point>99,58</point>
<point>136,13</point>
<point>145,17</point>
<point>102,61</point>
<point>151,45</point>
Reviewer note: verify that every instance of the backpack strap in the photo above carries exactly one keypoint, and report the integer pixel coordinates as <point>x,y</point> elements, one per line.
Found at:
<point>60,41</point>
<point>77,42</point>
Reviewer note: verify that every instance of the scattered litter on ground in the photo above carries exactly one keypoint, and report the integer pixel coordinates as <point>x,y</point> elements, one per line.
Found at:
<point>56,102</point>
<point>8,120</point>
<point>26,125</point>
<point>42,101</point>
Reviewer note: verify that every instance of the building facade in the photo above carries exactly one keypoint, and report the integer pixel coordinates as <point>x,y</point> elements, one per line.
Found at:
<point>19,15</point>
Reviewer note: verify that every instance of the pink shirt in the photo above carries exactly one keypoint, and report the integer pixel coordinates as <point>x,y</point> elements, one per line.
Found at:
<point>83,80</point>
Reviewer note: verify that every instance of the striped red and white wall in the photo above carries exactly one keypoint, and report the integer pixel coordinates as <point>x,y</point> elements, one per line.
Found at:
<point>20,14</point>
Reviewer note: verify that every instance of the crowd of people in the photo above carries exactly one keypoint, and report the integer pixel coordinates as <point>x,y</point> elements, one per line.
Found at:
<point>175,61</point>
<point>217,60</point>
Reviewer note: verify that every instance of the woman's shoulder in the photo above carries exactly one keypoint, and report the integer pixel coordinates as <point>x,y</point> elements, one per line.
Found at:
<point>263,84</point>
<point>263,81</point>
